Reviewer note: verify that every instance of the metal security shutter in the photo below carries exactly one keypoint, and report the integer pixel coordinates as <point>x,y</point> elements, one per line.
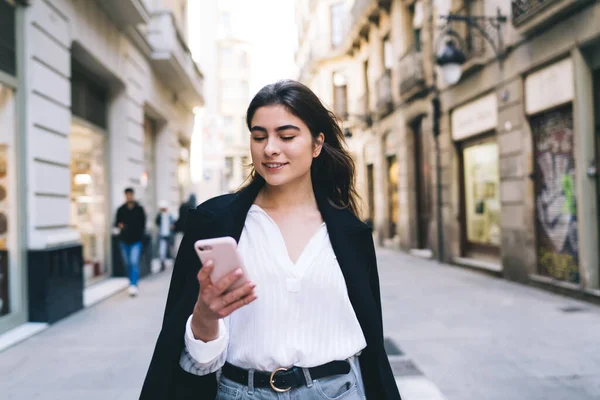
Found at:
<point>8,40</point>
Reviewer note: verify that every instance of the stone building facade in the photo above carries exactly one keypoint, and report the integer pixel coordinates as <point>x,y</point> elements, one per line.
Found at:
<point>518,143</point>
<point>95,96</point>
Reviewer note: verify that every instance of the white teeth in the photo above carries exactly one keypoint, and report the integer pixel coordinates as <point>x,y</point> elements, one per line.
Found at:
<point>273,165</point>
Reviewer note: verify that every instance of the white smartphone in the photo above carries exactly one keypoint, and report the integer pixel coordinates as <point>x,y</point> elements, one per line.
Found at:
<point>225,256</point>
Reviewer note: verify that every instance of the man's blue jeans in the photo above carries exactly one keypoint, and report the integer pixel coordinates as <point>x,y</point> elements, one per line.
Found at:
<point>131,253</point>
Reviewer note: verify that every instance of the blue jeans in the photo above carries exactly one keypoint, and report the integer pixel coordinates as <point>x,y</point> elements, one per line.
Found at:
<point>338,387</point>
<point>131,253</point>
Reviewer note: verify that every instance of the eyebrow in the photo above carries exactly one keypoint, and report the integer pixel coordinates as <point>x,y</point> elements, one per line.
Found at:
<point>279,129</point>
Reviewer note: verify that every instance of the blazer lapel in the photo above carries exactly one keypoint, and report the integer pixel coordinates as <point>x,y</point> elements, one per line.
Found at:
<point>229,221</point>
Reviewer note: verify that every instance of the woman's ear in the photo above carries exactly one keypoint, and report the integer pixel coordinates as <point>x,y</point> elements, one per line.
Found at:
<point>318,145</point>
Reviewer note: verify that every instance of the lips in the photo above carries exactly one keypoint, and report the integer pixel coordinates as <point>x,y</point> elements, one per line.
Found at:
<point>274,166</point>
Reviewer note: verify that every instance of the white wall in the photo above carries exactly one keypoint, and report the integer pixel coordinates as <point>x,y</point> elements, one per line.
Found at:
<point>51,29</point>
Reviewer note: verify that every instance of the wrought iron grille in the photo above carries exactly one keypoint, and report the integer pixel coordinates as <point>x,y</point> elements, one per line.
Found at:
<point>522,10</point>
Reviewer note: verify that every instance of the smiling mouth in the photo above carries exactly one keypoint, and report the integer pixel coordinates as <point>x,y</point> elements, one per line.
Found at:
<point>274,166</point>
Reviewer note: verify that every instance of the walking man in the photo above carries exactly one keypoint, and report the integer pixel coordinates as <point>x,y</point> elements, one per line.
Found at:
<point>131,220</point>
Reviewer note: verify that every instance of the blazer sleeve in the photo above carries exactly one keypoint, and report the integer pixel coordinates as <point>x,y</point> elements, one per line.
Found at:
<point>165,379</point>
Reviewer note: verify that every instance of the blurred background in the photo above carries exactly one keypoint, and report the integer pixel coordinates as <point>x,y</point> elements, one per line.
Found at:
<point>474,126</point>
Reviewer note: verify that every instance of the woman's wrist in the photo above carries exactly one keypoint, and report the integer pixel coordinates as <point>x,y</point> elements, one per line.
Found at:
<point>204,329</point>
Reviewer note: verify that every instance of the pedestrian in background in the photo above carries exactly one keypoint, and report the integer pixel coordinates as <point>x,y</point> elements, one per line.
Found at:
<point>180,224</point>
<point>309,321</point>
<point>131,220</point>
<point>166,226</point>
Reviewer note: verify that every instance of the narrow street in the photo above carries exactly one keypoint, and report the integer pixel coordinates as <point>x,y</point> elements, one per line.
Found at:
<point>472,336</point>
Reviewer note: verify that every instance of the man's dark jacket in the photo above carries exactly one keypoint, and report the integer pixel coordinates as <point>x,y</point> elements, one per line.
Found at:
<point>225,216</point>
<point>134,221</point>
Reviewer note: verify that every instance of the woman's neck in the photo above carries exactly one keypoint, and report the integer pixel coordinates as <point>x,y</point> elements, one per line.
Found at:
<point>291,196</point>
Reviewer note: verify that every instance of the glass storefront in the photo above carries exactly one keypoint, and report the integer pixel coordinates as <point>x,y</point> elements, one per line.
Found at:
<point>88,197</point>
<point>7,211</point>
<point>481,195</point>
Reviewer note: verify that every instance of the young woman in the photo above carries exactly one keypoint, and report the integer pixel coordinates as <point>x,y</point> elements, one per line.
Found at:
<point>309,324</point>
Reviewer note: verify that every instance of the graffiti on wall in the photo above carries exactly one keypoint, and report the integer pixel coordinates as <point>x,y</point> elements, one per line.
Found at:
<point>556,202</point>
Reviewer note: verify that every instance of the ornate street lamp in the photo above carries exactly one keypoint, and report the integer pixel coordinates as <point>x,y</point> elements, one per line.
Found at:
<point>451,57</point>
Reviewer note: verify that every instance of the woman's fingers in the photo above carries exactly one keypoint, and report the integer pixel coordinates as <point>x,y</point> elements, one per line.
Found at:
<point>223,284</point>
<point>238,293</point>
<point>204,275</point>
<point>238,304</point>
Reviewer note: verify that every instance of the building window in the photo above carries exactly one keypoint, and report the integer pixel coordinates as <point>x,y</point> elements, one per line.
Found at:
<point>244,59</point>
<point>226,57</point>
<point>244,90</point>
<point>340,95</point>
<point>417,20</point>
<point>225,22</point>
<point>228,129</point>
<point>388,54</point>
<point>337,23</point>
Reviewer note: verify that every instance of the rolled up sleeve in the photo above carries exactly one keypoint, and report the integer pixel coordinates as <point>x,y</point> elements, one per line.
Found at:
<point>203,358</point>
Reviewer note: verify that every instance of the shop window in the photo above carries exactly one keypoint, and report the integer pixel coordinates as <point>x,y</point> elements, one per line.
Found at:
<point>481,195</point>
<point>88,198</point>
<point>7,196</point>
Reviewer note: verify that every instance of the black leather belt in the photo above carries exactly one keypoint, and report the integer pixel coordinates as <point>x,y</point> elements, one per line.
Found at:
<point>283,379</point>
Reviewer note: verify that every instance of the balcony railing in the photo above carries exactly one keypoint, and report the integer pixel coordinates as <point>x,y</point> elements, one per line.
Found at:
<point>523,10</point>
<point>411,72</point>
<point>363,111</point>
<point>385,101</point>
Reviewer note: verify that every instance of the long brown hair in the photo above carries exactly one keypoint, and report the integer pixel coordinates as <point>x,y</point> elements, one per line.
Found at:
<point>333,171</point>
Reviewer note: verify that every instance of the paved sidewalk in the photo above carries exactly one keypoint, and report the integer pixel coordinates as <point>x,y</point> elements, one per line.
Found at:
<point>479,337</point>
<point>474,336</point>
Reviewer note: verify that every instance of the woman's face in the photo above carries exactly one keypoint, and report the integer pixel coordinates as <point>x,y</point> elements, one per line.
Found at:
<point>281,145</point>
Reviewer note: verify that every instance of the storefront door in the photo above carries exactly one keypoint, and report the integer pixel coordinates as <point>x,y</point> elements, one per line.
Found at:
<point>481,197</point>
<point>88,197</point>
<point>555,194</point>
<point>422,151</point>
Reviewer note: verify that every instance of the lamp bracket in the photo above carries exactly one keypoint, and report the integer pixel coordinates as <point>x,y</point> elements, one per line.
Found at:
<point>490,28</point>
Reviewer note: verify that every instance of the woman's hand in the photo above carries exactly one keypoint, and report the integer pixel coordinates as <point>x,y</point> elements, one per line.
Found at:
<point>214,302</point>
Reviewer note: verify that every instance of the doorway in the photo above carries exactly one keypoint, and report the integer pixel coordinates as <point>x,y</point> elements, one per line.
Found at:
<point>88,196</point>
<point>422,150</point>
<point>371,193</point>
<point>393,198</point>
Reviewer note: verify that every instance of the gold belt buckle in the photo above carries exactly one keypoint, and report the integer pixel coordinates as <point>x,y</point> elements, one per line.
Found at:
<point>272,381</point>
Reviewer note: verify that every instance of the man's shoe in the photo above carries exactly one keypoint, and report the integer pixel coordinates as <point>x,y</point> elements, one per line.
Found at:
<point>133,290</point>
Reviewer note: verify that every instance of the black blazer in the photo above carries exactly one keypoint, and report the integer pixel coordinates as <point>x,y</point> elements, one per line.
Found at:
<point>225,215</point>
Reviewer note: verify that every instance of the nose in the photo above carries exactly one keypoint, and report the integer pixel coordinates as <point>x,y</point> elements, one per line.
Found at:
<point>271,148</point>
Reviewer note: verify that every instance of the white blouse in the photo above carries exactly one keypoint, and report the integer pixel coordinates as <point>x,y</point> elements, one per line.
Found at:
<point>302,316</point>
